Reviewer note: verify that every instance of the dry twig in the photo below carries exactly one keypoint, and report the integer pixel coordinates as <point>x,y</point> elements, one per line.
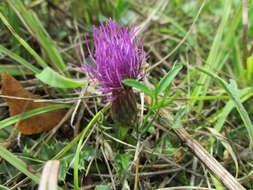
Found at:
<point>50,175</point>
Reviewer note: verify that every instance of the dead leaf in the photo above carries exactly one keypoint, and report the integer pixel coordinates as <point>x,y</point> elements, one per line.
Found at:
<point>35,124</point>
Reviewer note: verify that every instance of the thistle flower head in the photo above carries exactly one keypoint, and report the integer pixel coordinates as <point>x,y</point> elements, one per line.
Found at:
<point>118,55</point>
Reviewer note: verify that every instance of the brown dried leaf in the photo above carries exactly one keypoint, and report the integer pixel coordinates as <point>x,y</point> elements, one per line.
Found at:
<point>35,124</point>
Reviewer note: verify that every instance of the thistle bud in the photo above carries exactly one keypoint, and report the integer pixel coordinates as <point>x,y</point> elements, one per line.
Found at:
<point>118,55</point>
<point>124,108</point>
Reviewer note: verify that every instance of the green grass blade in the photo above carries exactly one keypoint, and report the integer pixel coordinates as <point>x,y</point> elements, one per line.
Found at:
<point>13,70</point>
<point>177,28</point>
<point>18,164</point>
<point>245,94</point>
<point>38,32</point>
<point>217,184</point>
<point>250,69</point>
<point>168,78</point>
<point>4,188</point>
<point>234,95</point>
<point>19,59</point>
<point>14,119</point>
<point>212,62</point>
<point>23,42</point>
<point>236,59</point>
<point>75,140</point>
<point>54,79</point>
<point>79,146</point>
<point>15,23</point>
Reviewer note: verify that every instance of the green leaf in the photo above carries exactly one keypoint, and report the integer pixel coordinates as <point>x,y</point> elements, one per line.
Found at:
<point>250,69</point>
<point>245,94</point>
<point>17,163</point>
<point>47,151</point>
<point>64,167</point>
<point>218,50</point>
<point>14,119</point>
<point>4,188</point>
<point>151,130</point>
<point>217,184</point>
<point>220,116</point>
<point>138,85</point>
<point>180,114</point>
<point>54,79</point>
<point>121,7</point>
<point>80,138</point>
<point>176,119</point>
<point>123,161</point>
<point>19,59</point>
<point>169,100</point>
<point>168,78</point>
<point>13,70</point>
<point>23,42</point>
<point>36,29</point>
<point>232,91</point>
<point>103,187</point>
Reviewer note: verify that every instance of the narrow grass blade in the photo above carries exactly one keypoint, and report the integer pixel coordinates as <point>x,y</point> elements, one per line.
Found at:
<point>14,22</point>
<point>54,79</point>
<point>220,116</point>
<point>23,42</point>
<point>4,188</point>
<point>217,184</point>
<point>234,95</point>
<point>168,78</point>
<point>75,140</point>
<point>19,59</point>
<point>14,119</point>
<point>245,94</point>
<point>218,50</point>
<point>250,70</point>
<point>236,60</point>
<point>18,164</point>
<point>14,70</point>
<point>79,146</point>
<point>226,145</point>
<point>37,30</point>
<point>176,26</point>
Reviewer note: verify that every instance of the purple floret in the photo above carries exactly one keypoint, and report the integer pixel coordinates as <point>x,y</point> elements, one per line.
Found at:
<point>118,56</point>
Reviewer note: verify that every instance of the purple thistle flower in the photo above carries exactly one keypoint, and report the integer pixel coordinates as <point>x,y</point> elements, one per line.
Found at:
<point>118,55</point>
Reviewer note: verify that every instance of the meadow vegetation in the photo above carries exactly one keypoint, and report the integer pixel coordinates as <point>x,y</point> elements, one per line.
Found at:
<point>198,67</point>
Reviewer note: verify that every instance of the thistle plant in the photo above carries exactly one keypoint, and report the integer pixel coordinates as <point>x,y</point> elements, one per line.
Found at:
<point>118,55</point>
